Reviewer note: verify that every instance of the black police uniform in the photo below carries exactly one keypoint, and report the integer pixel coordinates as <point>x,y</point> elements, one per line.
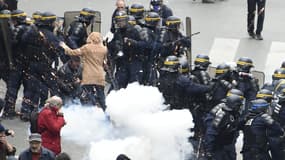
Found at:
<point>42,47</point>
<point>126,51</point>
<point>245,81</point>
<point>222,130</point>
<point>17,74</point>
<point>222,84</point>
<point>259,128</point>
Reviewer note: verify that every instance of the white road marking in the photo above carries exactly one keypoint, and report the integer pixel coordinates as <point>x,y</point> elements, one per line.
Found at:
<point>274,59</point>
<point>223,50</point>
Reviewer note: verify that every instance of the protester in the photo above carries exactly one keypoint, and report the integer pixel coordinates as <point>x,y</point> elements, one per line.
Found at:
<point>50,122</point>
<point>36,151</point>
<point>93,55</point>
<point>6,149</point>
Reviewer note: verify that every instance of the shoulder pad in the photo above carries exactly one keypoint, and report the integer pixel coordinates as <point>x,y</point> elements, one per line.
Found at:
<point>138,28</point>
<point>226,84</point>
<point>267,119</point>
<point>277,108</point>
<point>76,29</point>
<point>217,108</point>
<point>144,34</point>
<point>218,118</point>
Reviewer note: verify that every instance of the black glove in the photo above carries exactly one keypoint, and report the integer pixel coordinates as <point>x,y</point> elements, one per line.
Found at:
<point>130,42</point>
<point>185,42</point>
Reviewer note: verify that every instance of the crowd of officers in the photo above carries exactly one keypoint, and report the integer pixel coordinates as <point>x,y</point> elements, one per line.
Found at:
<point>148,48</point>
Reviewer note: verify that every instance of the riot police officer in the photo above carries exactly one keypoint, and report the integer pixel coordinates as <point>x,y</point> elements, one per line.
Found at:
<point>222,130</point>
<point>278,74</point>
<point>259,127</point>
<point>245,81</point>
<point>5,38</point>
<point>42,47</point>
<point>5,48</point>
<point>174,43</point>
<point>160,8</point>
<point>151,35</point>
<point>167,81</point>
<point>202,63</point>
<point>126,52</point>
<point>20,62</point>
<point>77,30</point>
<point>137,10</point>
<point>222,83</point>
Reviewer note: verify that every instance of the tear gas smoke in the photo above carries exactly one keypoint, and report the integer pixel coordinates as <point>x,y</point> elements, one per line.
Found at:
<point>139,126</point>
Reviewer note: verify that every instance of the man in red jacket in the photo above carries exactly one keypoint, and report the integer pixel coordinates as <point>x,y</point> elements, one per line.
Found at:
<point>50,122</point>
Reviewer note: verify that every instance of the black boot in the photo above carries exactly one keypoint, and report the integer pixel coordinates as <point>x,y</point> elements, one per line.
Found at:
<point>258,37</point>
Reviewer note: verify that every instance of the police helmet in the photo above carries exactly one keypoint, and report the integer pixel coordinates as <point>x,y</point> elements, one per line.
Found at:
<point>222,71</point>
<point>202,61</point>
<point>233,103</point>
<point>265,94</point>
<point>244,64</point>
<point>86,15</point>
<point>131,20</point>
<point>156,2</point>
<point>171,64</point>
<point>5,14</point>
<point>283,65</point>
<point>37,17</point>
<point>137,10</point>
<point>47,19</point>
<point>183,67</point>
<point>235,92</point>
<point>121,18</point>
<point>19,16</point>
<point>278,74</point>
<point>152,19</point>
<point>173,23</point>
<point>259,105</point>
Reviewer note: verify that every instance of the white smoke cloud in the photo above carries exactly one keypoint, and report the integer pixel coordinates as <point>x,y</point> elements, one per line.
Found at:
<point>140,127</point>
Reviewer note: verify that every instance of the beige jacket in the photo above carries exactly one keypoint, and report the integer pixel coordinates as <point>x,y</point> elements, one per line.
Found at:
<point>92,55</point>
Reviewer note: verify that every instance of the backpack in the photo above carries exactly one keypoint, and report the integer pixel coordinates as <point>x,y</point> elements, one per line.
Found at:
<point>34,121</point>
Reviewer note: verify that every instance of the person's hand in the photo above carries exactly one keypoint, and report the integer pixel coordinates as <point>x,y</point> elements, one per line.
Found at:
<point>130,42</point>
<point>11,133</point>
<point>59,113</point>
<point>77,81</point>
<point>3,140</point>
<point>63,45</point>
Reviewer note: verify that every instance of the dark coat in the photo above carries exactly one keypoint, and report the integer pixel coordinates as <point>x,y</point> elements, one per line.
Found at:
<point>45,155</point>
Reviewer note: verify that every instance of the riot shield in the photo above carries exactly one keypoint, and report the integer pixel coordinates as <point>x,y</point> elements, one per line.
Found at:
<point>5,40</point>
<point>211,71</point>
<point>260,76</point>
<point>70,16</point>
<point>189,34</point>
